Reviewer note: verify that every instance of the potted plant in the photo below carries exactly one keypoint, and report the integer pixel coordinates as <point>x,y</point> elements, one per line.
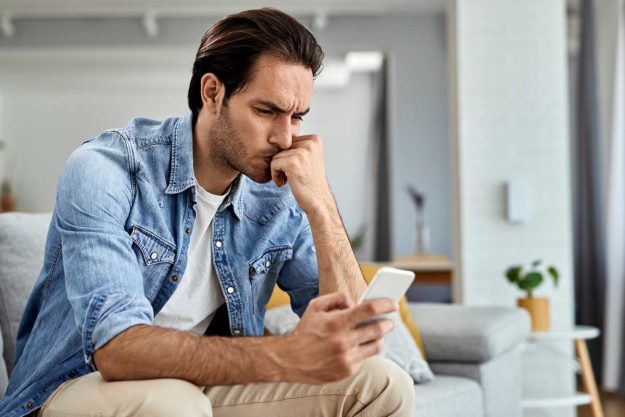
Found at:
<point>528,279</point>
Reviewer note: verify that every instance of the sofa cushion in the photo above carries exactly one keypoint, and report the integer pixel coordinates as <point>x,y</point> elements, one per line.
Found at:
<point>449,396</point>
<point>22,241</point>
<point>459,333</point>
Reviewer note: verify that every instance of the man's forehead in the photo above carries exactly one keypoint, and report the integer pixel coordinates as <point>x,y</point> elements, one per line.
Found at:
<point>282,83</point>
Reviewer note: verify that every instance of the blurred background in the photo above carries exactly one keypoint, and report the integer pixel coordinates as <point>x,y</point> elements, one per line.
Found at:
<point>462,137</point>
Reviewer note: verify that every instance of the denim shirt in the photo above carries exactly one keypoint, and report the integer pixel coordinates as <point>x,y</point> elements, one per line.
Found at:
<point>117,249</point>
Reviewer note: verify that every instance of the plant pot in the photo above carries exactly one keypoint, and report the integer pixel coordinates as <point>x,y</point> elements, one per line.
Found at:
<point>538,308</point>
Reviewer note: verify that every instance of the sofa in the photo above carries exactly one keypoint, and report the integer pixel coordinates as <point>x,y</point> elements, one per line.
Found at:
<point>473,351</point>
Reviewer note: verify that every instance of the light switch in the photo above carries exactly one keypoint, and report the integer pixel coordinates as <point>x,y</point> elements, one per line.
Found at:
<point>517,201</point>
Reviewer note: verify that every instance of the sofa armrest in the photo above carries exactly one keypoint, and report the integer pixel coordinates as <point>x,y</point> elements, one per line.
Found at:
<point>457,333</point>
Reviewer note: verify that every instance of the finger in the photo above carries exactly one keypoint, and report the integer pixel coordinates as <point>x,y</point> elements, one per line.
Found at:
<point>367,350</point>
<point>371,308</point>
<point>302,138</point>
<point>285,154</point>
<point>329,302</point>
<point>278,173</point>
<point>298,139</point>
<point>280,166</point>
<point>371,332</point>
<point>279,178</point>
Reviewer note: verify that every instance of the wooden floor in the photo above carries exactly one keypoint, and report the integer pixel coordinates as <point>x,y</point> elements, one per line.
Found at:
<point>613,406</point>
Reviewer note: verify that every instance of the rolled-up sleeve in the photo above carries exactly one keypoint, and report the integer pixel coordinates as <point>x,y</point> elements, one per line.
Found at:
<point>300,276</point>
<point>102,277</point>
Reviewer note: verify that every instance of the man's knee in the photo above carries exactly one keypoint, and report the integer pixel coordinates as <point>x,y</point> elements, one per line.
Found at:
<point>171,397</point>
<point>91,395</point>
<point>388,381</point>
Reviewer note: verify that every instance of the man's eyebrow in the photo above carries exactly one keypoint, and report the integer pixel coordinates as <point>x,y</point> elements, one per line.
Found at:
<point>274,107</point>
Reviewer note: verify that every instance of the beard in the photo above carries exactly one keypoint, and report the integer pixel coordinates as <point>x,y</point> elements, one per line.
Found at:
<point>232,151</point>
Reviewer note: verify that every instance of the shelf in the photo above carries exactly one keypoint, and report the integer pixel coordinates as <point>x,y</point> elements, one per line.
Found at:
<point>579,398</point>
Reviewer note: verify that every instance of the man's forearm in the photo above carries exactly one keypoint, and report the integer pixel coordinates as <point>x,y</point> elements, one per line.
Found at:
<point>147,352</point>
<point>338,267</point>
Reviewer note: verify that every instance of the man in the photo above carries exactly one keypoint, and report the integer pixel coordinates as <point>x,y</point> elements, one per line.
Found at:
<point>167,236</point>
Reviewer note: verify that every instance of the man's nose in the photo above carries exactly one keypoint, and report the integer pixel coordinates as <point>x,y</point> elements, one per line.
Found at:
<point>282,135</point>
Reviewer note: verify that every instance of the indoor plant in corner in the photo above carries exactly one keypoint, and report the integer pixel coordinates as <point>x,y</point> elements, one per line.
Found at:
<point>528,279</point>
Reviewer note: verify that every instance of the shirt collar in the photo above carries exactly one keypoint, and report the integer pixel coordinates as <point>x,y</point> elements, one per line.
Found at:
<point>181,175</point>
<point>181,172</point>
<point>234,197</point>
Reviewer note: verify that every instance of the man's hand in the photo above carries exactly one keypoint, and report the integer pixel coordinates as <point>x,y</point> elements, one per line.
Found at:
<point>303,167</point>
<point>327,345</point>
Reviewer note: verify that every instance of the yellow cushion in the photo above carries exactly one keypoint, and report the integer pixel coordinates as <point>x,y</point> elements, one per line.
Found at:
<point>280,298</point>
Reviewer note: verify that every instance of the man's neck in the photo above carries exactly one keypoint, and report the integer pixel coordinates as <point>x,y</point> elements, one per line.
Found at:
<point>211,172</point>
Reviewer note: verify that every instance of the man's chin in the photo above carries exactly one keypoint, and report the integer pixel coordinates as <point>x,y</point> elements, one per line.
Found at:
<point>261,177</point>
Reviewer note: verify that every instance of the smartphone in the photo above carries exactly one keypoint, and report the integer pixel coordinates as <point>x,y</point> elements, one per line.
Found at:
<point>388,283</point>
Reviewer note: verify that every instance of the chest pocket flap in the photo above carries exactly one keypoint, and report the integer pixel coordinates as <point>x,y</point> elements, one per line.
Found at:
<point>154,248</point>
<point>269,258</point>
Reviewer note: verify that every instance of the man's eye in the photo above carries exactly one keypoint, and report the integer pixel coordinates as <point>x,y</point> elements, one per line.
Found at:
<point>298,118</point>
<point>264,111</point>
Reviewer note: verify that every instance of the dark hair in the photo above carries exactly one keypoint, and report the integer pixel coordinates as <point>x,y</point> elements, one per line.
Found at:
<point>230,48</point>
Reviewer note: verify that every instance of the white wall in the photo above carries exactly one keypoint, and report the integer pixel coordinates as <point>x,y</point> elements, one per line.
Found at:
<point>347,149</point>
<point>51,109</point>
<point>57,99</point>
<point>511,121</point>
<point>418,119</point>
<point>418,87</point>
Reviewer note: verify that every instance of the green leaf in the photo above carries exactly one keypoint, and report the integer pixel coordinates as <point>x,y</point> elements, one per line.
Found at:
<point>536,263</point>
<point>554,274</point>
<point>531,281</point>
<point>514,273</point>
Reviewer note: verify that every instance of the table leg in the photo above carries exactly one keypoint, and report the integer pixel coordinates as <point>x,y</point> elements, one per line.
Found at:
<point>588,377</point>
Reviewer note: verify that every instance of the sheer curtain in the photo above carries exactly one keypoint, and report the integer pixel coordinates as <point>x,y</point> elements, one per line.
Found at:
<point>589,208</point>
<point>614,351</point>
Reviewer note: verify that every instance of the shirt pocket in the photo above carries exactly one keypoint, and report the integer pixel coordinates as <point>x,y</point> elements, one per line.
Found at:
<point>155,256</point>
<point>263,273</point>
<point>155,249</point>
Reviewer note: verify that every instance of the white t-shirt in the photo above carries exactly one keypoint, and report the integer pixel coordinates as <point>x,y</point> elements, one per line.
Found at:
<point>198,296</point>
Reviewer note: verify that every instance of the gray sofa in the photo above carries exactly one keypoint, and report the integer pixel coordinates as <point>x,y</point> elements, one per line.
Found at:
<point>473,351</point>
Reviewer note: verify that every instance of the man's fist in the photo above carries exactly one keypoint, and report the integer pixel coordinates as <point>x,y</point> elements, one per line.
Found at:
<point>303,167</point>
<point>327,345</point>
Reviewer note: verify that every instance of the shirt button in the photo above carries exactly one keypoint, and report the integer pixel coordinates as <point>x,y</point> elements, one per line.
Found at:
<point>153,256</point>
<point>187,231</point>
<point>237,332</point>
<point>267,264</point>
<point>218,244</point>
<point>230,290</point>
<point>29,405</point>
<point>174,278</point>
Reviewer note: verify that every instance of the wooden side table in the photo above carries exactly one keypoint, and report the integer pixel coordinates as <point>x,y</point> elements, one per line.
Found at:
<point>590,395</point>
<point>428,269</point>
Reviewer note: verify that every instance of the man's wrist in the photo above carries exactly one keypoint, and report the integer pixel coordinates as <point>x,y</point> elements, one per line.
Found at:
<point>323,212</point>
<point>274,366</point>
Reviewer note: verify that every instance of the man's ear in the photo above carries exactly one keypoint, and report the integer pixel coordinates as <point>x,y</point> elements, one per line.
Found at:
<point>213,91</point>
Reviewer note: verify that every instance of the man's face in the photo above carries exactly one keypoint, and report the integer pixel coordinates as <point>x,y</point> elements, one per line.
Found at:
<point>261,119</point>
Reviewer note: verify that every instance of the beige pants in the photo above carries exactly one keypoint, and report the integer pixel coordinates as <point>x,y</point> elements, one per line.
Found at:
<point>379,389</point>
